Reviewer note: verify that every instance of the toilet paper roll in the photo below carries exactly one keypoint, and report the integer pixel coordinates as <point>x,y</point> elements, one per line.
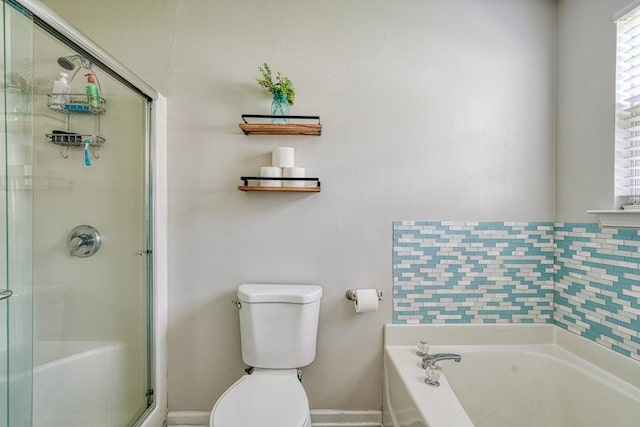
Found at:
<point>282,157</point>
<point>270,172</point>
<point>366,300</point>
<point>293,173</point>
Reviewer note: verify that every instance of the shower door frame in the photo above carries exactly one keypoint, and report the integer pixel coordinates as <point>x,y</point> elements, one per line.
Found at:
<point>17,307</point>
<point>156,201</point>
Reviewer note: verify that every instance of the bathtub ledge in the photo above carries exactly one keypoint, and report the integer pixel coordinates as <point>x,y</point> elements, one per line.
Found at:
<point>469,334</point>
<point>615,363</point>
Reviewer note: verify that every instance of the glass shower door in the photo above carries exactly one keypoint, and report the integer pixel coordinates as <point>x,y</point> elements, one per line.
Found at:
<point>91,301</point>
<point>16,213</point>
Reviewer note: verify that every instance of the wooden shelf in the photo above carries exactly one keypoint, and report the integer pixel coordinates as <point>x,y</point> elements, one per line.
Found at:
<point>283,189</point>
<point>247,187</point>
<point>280,129</point>
<point>313,129</point>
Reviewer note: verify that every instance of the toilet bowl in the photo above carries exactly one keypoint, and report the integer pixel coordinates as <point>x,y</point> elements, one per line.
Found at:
<point>266,398</point>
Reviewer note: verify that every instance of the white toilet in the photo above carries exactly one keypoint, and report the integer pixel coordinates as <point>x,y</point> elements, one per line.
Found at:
<point>278,329</point>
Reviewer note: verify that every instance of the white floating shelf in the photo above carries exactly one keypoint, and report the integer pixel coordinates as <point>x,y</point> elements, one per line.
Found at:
<point>617,218</point>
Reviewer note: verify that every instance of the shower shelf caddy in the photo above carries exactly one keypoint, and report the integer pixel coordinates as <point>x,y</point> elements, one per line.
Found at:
<point>77,105</point>
<point>74,139</point>
<point>258,128</point>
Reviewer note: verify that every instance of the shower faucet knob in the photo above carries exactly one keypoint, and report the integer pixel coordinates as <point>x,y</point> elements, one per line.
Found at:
<point>83,241</point>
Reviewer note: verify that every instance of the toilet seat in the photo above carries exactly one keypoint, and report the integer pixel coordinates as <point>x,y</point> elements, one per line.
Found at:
<point>266,398</point>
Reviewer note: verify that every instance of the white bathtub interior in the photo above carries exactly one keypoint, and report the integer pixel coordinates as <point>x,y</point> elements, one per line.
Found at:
<point>106,398</point>
<point>548,385</point>
<point>524,375</point>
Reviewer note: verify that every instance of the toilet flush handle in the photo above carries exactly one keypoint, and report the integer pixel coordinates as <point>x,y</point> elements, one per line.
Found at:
<point>237,303</point>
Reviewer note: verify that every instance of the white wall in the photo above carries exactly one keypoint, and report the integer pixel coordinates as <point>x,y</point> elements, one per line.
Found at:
<point>431,110</point>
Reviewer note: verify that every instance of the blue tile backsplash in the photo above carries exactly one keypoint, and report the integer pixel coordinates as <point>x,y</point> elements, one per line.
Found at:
<point>578,276</point>
<point>597,285</point>
<point>488,272</point>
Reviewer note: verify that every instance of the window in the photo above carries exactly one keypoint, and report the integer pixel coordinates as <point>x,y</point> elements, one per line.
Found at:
<point>628,109</point>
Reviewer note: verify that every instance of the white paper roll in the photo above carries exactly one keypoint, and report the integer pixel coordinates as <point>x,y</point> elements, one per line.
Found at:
<point>282,157</point>
<point>366,300</point>
<point>293,173</point>
<point>270,172</point>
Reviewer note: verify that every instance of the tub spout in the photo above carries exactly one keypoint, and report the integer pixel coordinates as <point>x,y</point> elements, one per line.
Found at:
<point>431,359</point>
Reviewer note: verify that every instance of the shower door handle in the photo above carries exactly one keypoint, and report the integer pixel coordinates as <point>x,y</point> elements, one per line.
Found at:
<point>5,293</point>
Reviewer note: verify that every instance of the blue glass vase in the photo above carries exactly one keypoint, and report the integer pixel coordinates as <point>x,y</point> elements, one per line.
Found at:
<point>279,107</point>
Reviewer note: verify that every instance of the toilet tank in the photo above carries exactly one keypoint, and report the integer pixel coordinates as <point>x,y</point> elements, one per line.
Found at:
<point>279,324</point>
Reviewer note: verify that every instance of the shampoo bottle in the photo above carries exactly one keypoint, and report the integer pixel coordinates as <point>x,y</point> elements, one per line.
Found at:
<point>60,94</point>
<point>93,94</point>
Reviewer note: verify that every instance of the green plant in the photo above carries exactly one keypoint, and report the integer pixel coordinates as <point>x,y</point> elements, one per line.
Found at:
<point>282,85</point>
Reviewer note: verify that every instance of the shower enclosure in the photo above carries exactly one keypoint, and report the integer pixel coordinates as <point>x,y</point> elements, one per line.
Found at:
<point>77,299</point>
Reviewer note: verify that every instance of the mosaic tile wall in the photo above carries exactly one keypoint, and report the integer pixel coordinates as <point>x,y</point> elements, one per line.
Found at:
<point>597,289</point>
<point>503,272</point>
<point>472,272</point>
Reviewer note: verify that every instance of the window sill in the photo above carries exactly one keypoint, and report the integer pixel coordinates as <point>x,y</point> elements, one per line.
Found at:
<point>617,218</point>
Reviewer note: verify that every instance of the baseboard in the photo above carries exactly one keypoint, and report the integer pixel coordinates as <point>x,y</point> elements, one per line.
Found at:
<point>319,418</point>
<point>337,418</point>
<point>188,418</point>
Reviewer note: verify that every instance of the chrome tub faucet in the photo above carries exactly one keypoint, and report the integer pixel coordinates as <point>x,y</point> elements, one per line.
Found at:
<point>431,359</point>
<point>429,362</point>
<point>432,371</point>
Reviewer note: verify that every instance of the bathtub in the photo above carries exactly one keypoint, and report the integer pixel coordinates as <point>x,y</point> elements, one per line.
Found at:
<point>510,375</point>
<point>80,384</point>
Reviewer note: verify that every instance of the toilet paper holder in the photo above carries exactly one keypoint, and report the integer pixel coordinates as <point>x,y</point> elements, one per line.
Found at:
<point>351,294</point>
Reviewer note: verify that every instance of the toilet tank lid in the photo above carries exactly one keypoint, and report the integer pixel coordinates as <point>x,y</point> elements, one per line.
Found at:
<point>296,294</point>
